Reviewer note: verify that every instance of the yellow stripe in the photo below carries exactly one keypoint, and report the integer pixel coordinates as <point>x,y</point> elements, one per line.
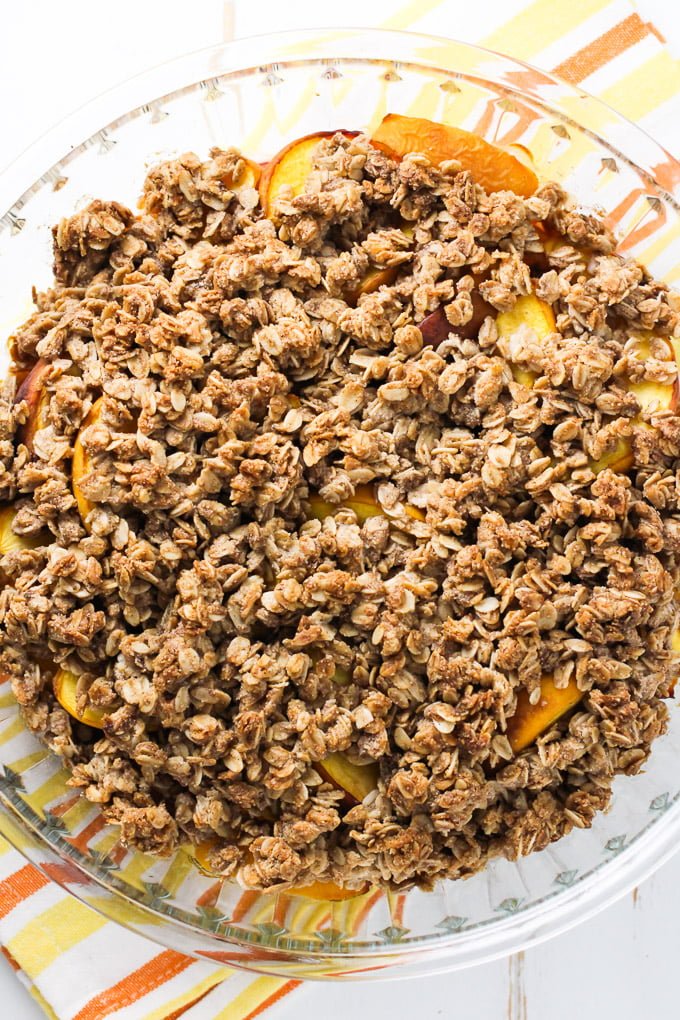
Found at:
<point>190,995</point>
<point>135,868</point>
<point>645,88</point>
<point>51,790</point>
<point>22,765</point>
<point>540,25</point>
<point>16,727</point>
<point>51,933</point>
<point>7,698</point>
<point>288,120</point>
<point>250,998</point>
<point>4,846</point>
<point>411,13</point>
<point>427,102</point>
<point>181,866</point>
<point>262,911</point>
<point>11,831</point>
<point>42,1002</point>
<point>305,917</point>
<point>255,137</point>
<point>668,236</point>
<point>126,912</point>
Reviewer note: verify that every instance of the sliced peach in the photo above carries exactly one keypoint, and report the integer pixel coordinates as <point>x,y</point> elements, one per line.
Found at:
<point>675,344</point>
<point>9,540</point>
<point>651,396</point>
<point>357,781</point>
<point>435,327</point>
<point>201,851</point>
<point>529,721</point>
<point>530,311</point>
<point>290,168</point>
<point>363,502</point>
<point>249,176</point>
<point>341,676</point>
<point>327,891</point>
<point>377,276</point>
<point>373,280</point>
<point>493,168</point>
<point>553,242</point>
<point>80,465</point>
<point>75,702</point>
<point>33,391</point>
<point>620,459</point>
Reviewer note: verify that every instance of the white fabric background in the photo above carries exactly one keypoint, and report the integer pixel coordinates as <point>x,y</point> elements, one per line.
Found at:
<point>56,55</point>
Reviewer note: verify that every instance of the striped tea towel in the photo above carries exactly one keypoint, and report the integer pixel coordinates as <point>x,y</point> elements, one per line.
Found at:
<point>79,966</point>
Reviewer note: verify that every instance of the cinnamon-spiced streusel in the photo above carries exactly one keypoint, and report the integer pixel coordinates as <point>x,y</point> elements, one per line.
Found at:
<point>230,637</point>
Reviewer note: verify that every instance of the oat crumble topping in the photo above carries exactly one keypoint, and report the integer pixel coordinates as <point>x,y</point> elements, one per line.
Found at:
<point>208,612</point>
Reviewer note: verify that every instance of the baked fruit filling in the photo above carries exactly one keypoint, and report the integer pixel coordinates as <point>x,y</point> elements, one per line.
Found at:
<point>340,519</point>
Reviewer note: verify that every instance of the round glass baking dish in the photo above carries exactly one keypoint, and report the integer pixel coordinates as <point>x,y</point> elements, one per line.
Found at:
<point>259,94</point>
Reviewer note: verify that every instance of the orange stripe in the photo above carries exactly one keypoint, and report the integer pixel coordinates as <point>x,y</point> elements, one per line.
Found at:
<point>136,985</point>
<point>187,1006</point>
<point>597,53</point>
<point>667,173</point>
<point>655,31</point>
<point>65,873</point>
<point>82,839</point>
<point>211,895</point>
<point>274,997</point>
<point>65,805</point>
<point>10,959</point>
<point>245,902</point>
<point>366,909</point>
<point>281,909</point>
<point>398,912</point>
<point>17,887</point>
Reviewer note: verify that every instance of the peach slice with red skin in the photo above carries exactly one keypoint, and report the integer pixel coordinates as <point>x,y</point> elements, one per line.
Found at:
<point>290,168</point>
<point>80,465</point>
<point>33,391</point>
<point>65,686</point>
<point>495,169</point>
<point>363,503</point>
<point>435,327</point>
<point>529,721</point>
<point>356,781</point>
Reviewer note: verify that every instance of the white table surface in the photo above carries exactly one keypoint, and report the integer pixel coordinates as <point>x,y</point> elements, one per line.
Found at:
<point>621,964</point>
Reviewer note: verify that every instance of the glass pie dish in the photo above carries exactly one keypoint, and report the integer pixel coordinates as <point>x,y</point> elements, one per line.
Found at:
<point>259,94</point>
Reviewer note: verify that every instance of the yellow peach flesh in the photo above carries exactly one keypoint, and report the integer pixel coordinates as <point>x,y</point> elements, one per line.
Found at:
<point>529,721</point>
<point>357,781</point>
<point>65,686</point>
